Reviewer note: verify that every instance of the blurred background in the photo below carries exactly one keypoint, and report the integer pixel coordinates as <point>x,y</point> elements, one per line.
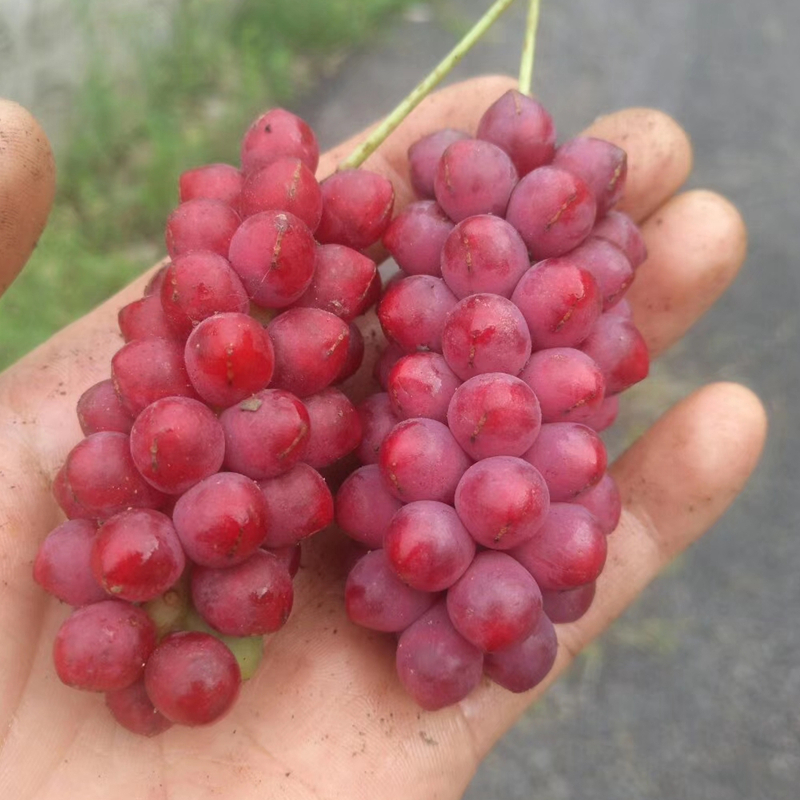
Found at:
<point>695,692</point>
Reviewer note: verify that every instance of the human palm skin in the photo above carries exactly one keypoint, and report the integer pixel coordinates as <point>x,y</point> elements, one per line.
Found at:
<point>325,716</point>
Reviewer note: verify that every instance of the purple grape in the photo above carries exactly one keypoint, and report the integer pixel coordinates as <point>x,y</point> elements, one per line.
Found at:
<point>435,664</point>
<point>377,419</point>
<point>483,254</point>
<point>494,414</point>
<point>569,550</point>
<point>496,603</point>
<point>524,665</point>
<point>604,502</point>
<point>568,383</point>
<point>427,545</point>
<point>132,708</point>
<point>424,155</point>
<point>416,236</point>
<point>474,177</point>
<point>335,428</point>
<point>609,266</point>
<point>364,506</point>
<point>502,501</point>
<point>376,598</point>
<point>522,127</point>
<point>571,457</point>
<point>421,460</point>
<point>421,385</point>
<point>568,605</point>
<point>552,210</point>
<point>485,333</point>
<point>620,229</point>
<point>619,350</point>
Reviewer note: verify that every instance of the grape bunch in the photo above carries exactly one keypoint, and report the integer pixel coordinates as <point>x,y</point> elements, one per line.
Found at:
<point>483,500</point>
<point>201,470</point>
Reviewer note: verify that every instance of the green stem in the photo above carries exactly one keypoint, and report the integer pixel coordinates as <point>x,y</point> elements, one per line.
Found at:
<point>423,89</point>
<point>529,49</point>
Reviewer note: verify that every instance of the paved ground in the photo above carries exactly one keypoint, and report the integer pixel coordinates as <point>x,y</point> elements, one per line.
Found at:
<point>695,693</point>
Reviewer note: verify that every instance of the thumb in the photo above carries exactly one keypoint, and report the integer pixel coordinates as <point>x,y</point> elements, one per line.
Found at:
<point>27,185</point>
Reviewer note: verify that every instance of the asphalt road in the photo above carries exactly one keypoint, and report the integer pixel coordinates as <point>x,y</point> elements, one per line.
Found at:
<point>695,692</point>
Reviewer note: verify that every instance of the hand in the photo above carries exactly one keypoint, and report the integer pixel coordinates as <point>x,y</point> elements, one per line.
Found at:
<point>325,717</point>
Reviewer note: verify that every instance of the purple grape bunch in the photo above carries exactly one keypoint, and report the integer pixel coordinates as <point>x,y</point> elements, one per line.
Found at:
<point>483,501</point>
<point>201,470</point>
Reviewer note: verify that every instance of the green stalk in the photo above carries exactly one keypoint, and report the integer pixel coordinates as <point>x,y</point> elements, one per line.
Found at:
<point>423,89</point>
<point>529,49</point>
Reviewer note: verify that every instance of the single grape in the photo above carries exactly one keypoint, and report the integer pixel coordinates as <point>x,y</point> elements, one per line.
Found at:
<point>571,457</point>
<point>63,564</point>
<point>601,164</point>
<point>137,555</point>
<point>248,599</point>
<point>494,414</point>
<point>341,282</point>
<point>620,229</point>
<point>415,238</point>
<point>568,383</point>
<point>421,385</point>
<point>384,364</point>
<point>299,504</point>
<point>413,310</point>
<point>569,550</point>
<point>377,419</point>
<point>147,370</point>
<point>376,598</point>
<point>176,442</point>
<point>436,665</point>
<point>228,358</point>
<point>265,435</point>
<point>103,647</point>
<point>553,210</point>
<point>198,285</point>
<point>474,177</point>
<point>222,520</point>
<point>485,333</point>
<point>284,185</point>
<point>211,182</point>
<point>356,208</point>
<point>290,557</point>
<point>62,493</point>
<point>524,665</point>
<point>421,460</point>
<point>502,501</point>
<point>560,302</point>
<point>568,605</point>
<point>192,678</point>
<point>483,254</point>
<point>424,155</point>
<point>522,127</point>
<point>132,708</point>
<point>100,409</point>
<point>364,506</point>
<point>335,428</point>
<point>604,502</point>
<point>609,266</point>
<point>145,319</point>
<point>279,134</point>
<point>273,253</point>
<point>310,349</point>
<point>619,350</point>
<point>201,225</point>
<point>496,603</point>
<point>427,545</point>
<point>102,479</point>
<point>622,309</point>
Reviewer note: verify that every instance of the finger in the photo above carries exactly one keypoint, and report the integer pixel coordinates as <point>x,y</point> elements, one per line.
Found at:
<point>27,185</point>
<point>659,156</point>
<point>675,482</point>
<point>696,245</point>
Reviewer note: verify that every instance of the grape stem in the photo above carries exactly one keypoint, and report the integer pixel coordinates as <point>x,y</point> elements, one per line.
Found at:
<point>423,89</point>
<point>529,49</point>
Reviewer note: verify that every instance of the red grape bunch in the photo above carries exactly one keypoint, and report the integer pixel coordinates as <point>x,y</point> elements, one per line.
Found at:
<point>199,474</point>
<point>483,499</point>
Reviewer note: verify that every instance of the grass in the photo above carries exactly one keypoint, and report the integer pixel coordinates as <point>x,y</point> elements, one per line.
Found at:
<point>174,105</point>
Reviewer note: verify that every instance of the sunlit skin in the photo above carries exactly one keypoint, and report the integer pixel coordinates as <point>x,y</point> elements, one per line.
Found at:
<point>325,717</point>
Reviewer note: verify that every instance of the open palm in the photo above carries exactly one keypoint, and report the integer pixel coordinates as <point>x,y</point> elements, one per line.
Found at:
<point>325,716</point>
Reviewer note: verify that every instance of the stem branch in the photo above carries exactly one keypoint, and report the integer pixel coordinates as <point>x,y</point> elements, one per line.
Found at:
<point>529,49</point>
